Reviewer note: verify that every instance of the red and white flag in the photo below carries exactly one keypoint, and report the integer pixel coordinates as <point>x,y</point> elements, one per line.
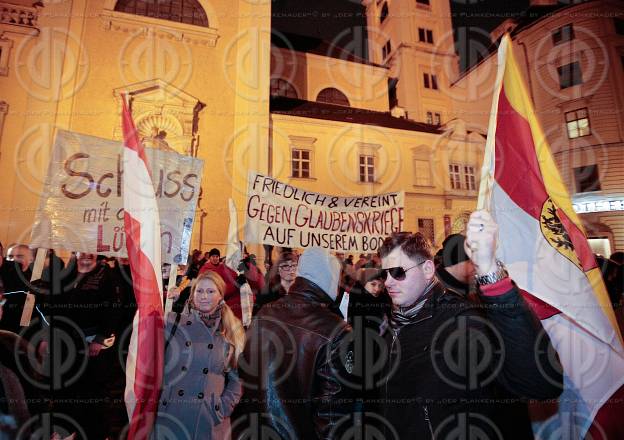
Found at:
<point>543,243</point>
<point>144,367</point>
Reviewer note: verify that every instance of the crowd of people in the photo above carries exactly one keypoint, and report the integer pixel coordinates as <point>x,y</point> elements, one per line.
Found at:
<point>405,343</point>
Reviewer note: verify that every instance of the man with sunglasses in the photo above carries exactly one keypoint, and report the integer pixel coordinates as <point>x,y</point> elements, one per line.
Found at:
<point>454,367</point>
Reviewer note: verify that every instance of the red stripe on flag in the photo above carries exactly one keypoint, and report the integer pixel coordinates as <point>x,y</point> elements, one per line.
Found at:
<point>608,423</point>
<point>519,175</point>
<point>150,340</point>
<point>517,170</point>
<point>580,243</point>
<point>541,309</point>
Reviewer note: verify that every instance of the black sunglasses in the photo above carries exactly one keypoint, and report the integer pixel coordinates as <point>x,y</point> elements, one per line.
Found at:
<point>398,273</point>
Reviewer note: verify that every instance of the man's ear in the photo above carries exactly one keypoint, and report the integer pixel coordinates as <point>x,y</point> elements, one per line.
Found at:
<point>428,269</point>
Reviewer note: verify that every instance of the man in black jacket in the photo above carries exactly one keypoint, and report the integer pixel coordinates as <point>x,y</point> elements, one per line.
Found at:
<point>456,368</point>
<point>296,359</point>
<point>454,269</point>
<point>15,274</point>
<point>88,312</point>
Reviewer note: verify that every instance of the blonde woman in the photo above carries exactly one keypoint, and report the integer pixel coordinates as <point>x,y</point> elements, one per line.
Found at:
<point>201,385</point>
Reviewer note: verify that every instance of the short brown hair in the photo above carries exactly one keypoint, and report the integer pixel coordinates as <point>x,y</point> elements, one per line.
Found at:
<point>415,245</point>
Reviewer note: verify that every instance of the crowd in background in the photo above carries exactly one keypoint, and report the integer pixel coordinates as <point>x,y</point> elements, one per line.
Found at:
<point>89,300</point>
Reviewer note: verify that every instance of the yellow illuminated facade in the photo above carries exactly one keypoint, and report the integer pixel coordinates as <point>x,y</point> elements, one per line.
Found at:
<point>207,82</point>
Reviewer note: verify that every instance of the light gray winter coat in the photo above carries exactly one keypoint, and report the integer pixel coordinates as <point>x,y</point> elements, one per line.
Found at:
<point>199,392</point>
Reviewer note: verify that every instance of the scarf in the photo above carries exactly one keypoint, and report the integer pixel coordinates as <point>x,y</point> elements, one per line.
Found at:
<point>211,319</point>
<point>405,315</point>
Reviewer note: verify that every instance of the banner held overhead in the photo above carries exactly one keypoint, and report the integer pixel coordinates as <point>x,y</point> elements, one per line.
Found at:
<point>280,214</point>
<point>81,206</point>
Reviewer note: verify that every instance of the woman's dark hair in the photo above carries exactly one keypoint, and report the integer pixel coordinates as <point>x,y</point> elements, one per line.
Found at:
<point>287,256</point>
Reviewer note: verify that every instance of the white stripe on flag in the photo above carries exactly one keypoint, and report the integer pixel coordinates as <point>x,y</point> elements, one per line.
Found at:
<point>142,207</point>
<point>593,369</point>
<point>539,269</point>
<point>140,204</point>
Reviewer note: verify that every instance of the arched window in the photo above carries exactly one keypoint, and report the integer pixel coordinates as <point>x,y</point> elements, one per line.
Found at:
<point>333,96</point>
<point>182,11</point>
<point>281,87</point>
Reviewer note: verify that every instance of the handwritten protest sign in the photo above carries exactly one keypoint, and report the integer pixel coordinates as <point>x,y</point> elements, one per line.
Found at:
<point>280,214</point>
<point>81,205</point>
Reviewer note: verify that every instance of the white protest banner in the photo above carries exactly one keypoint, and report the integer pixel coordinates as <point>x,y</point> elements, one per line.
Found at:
<point>81,205</point>
<point>280,214</point>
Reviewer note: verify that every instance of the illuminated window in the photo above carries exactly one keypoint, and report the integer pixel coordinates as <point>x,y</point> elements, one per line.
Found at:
<point>455,175</point>
<point>434,118</point>
<point>462,177</point>
<point>577,123</point>
<point>182,11</point>
<point>422,172</point>
<point>367,168</point>
<point>469,178</point>
<point>300,163</point>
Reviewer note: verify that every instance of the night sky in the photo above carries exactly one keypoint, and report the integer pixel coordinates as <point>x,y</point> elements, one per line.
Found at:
<point>328,19</point>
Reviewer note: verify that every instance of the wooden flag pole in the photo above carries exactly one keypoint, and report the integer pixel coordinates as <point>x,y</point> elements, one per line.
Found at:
<point>29,303</point>
<point>171,284</point>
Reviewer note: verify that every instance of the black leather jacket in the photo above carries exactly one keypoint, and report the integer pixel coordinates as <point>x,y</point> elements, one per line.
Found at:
<point>293,368</point>
<point>459,367</point>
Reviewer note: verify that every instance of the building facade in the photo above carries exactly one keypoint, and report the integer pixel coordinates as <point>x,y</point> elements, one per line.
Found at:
<point>573,62</point>
<point>185,66</point>
<point>208,79</point>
